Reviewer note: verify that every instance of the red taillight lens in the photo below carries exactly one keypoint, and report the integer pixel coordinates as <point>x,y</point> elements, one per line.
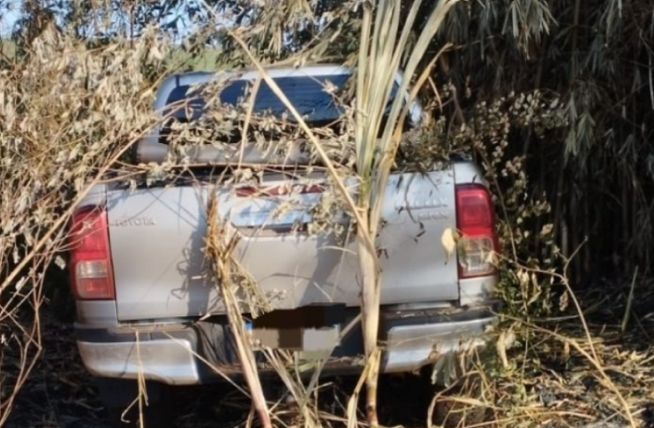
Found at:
<point>91,269</point>
<point>475,222</point>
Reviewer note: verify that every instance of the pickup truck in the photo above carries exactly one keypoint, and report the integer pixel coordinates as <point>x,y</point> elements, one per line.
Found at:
<point>146,311</point>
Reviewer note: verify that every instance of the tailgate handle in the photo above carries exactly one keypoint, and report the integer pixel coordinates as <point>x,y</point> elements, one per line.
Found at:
<point>280,190</point>
<point>272,230</point>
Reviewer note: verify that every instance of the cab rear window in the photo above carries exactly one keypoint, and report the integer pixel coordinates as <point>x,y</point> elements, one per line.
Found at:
<point>306,93</point>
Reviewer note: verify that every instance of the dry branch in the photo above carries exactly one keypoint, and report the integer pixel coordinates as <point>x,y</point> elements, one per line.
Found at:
<point>220,244</point>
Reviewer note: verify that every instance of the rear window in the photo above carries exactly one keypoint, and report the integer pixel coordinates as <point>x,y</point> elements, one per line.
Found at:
<point>306,93</point>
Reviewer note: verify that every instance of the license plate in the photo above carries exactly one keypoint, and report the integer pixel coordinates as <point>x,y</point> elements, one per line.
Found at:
<point>313,328</point>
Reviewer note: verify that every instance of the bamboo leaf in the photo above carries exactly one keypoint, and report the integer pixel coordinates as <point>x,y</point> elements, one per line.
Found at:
<point>448,240</point>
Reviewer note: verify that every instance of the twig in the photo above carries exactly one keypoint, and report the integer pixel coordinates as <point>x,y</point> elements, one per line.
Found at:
<point>630,299</point>
<point>591,359</point>
<point>64,217</point>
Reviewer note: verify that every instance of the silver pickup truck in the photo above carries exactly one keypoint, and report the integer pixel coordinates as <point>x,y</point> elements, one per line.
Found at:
<point>146,310</point>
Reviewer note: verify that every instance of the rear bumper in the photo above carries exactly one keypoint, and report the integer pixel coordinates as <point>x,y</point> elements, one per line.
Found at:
<point>413,343</point>
<point>200,353</point>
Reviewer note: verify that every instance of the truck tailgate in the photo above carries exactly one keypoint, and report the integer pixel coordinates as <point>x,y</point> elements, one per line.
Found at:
<point>157,237</point>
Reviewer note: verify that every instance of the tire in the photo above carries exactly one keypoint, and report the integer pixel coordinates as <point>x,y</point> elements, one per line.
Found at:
<point>458,373</point>
<point>450,412</point>
<point>118,397</point>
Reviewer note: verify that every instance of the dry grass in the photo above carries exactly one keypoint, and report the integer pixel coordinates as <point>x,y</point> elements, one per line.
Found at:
<point>220,244</point>
<point>67,115</point>
<point>65,121</point>
<point>548,384</point>
<point>554,382</point>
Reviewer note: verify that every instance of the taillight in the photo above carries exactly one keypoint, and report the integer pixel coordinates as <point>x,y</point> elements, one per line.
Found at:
<point>90,261</point>
<point>476,224</point>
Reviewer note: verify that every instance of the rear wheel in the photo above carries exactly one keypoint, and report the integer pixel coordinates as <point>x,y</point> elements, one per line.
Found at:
<point>459,406</point>
<point>121,400</point>
<point>461,391</point>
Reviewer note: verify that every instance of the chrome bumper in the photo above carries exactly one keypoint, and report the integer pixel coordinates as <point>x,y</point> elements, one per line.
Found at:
<point>412,347</point>
<point>166,360</point>
<point>174,355</point>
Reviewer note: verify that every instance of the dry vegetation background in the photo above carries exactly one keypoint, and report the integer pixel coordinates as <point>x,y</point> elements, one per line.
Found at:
<point>554,99</point>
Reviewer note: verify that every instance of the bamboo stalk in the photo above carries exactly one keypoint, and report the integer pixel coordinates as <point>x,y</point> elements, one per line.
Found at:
<point>630,300</point>
<point>370,318</point>
<point>381,52</point>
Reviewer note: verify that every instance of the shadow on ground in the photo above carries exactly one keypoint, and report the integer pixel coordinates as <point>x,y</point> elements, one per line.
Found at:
<point>60,394</point>
<point>552,379</point>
